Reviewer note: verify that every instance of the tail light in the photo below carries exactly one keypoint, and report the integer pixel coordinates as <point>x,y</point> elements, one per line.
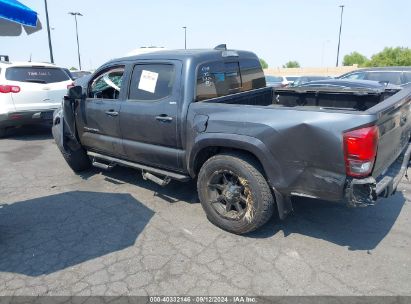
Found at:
<point>9,89</point>
<point>360,150</point>
<point>70,85</point>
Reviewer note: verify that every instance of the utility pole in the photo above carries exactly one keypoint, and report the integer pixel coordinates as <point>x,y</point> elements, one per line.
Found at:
<point>339,36</point>
<point>75,14</point>
<point>48,32</point>
<point>185,37</point>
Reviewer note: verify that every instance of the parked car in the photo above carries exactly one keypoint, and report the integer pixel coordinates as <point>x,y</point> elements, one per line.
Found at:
<point>276,81</point>
<point>304,79</point>
<point>30,92</point>
<point>348,84</point>
<point>78,74</point>
<point>393,75</point>
<point>206,114</point>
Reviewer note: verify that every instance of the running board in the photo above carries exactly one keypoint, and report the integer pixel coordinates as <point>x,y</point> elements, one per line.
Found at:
<point>102,165</point>
<point>113,160</point>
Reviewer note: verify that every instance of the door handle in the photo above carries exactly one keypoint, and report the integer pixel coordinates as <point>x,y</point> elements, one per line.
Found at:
<point>112,113</point>
<point>164,118</point>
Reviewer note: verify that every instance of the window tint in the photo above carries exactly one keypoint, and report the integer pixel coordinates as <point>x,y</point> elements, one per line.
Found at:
<point>107,84</point>
<point>36,74</point>
<point>218,79</point>
<point>355,76</point>
<point>252,74</point>
<point>390,77</point>
<point>151,82</point>
<point>407,77</point>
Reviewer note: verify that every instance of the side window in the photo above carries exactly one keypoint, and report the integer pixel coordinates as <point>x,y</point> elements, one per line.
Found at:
<point>215,79</point>
<point>252,74</point>
<point>390,77</point>
<point>360,76</point>
<point>107,84</point>
<point>407,77</point>
<point>151,82</point>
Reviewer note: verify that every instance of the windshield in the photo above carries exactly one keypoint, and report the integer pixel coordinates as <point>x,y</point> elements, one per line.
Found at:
<point>273,79</point>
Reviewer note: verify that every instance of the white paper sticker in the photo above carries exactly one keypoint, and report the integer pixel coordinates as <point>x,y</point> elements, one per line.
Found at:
<point>148,81</point>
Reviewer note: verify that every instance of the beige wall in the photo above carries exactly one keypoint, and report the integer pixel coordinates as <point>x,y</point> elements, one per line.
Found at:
<point>325,71</point>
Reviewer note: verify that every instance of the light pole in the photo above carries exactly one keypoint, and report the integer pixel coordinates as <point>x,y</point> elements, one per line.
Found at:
<point>339,36</point>
<point>48,32</point>
<point>75,14</point>
<point>185,37</point>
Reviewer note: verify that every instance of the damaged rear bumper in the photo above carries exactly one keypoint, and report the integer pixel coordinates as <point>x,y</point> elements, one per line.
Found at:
<point>366,191</point>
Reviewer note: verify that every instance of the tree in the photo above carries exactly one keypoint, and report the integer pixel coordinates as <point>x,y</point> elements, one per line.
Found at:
<point>263,63</point>
<point>73,69</point>
<point>391,57</point>
<point>292,64</point>
<point>355,58</point>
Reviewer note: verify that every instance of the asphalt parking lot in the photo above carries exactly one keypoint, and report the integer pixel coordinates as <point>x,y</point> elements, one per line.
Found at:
<point>112,233</point>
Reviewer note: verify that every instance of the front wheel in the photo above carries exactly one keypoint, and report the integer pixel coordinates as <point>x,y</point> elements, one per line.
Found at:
<point>234,194</point>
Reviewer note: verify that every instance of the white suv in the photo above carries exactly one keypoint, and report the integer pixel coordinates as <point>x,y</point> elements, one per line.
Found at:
<point>30,92</point>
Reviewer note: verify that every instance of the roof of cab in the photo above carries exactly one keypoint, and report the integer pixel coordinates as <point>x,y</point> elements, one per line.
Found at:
<point>190,54</point>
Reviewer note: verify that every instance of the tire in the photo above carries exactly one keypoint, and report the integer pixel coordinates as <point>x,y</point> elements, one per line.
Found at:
<point>76,159</point>
<point>2,132</point>
<point>234,193</point>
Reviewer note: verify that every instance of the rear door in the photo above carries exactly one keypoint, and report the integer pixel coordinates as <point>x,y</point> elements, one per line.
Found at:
<point>41,88</point>
<point>148,117</point>
<point>394,123</point>
<point>100,110</point>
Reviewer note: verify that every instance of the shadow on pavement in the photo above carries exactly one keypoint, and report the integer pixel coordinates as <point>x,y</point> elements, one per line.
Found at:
<point>30,132</point>
<point>47,234</point>
<point>172,193</point>
<point>356,228</point>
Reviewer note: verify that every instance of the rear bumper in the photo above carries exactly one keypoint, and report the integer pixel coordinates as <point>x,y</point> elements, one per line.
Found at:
<point>363,192</point>
<point>25,117</point>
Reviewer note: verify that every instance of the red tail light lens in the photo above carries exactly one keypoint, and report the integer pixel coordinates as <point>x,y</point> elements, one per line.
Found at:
<point>360,150</point>
<point>70,85</point>
<point>9,89</point>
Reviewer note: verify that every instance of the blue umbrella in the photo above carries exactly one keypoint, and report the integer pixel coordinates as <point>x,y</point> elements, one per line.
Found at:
<point>14,16</point>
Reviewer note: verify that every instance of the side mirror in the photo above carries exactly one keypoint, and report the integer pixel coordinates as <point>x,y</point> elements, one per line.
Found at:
<point>75,92</point>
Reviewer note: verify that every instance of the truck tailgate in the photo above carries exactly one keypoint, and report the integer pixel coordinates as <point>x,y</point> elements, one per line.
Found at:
<point>394,124</point>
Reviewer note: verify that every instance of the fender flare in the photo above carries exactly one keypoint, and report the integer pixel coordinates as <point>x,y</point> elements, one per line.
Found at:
<point>250,144</point>
<point>271,167</point>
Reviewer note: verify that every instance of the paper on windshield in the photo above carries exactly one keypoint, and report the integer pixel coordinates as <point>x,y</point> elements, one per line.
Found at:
<point>148,81</point>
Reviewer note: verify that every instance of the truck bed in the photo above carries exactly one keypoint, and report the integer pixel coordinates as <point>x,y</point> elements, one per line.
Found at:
<point>302,131</point>
<point>320,98</point>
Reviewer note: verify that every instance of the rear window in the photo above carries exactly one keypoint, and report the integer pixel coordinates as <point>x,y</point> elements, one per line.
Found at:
<point>217,79</point>
<point>36,74</point>
<point>390,77</point>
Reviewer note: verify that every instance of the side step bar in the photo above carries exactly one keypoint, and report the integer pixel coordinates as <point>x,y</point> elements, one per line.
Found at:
<point>102,166</point>
<point>113,160</point>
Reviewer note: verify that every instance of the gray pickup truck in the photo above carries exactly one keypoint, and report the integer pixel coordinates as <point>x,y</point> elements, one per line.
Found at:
<point>207,114</point>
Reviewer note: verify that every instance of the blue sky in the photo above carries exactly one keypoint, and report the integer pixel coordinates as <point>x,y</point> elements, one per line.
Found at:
<point>278,31</point>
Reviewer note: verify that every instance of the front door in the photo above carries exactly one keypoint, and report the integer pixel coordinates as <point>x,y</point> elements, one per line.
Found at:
<point>101,109</point>
<point>148,119</point>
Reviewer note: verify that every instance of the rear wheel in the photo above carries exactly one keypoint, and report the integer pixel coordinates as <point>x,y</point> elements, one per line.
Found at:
<point>234,193</point>
<point>2,132</point>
